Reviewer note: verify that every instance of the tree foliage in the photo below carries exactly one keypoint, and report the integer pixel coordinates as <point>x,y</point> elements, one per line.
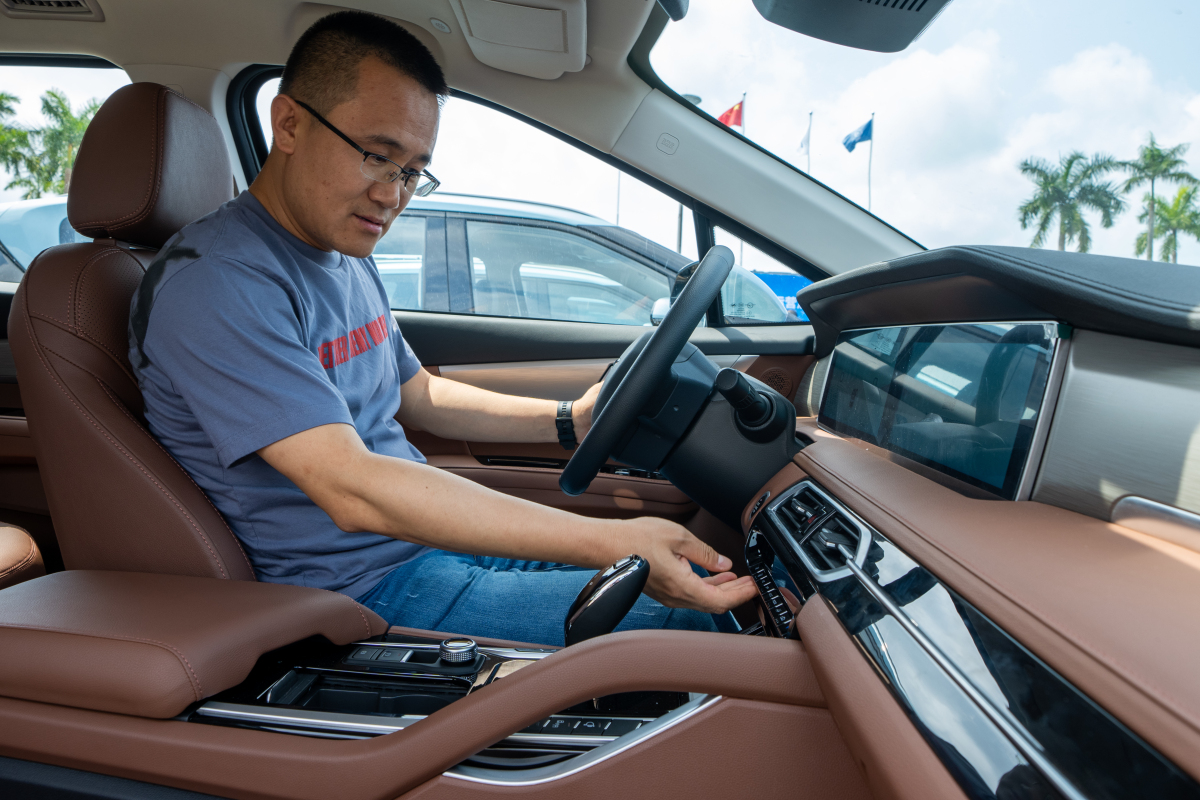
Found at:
<point>1063,192</point>
<point>1155,164</point>
<point>40,160</point>
<point>1181,215</point>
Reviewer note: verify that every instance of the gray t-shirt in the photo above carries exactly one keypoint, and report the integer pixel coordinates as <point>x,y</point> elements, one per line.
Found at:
<point>242,335</point>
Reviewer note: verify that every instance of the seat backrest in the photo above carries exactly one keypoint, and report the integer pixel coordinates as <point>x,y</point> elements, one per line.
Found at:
<point>150,163</point>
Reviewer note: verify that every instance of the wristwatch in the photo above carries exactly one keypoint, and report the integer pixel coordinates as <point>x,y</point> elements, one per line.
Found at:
<point>565,425</point>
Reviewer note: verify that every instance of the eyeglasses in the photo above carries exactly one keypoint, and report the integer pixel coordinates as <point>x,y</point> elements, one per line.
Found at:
<point>380,168</point>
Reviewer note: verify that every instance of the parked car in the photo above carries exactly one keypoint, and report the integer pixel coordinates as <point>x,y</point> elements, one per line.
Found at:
<point>523,259</point>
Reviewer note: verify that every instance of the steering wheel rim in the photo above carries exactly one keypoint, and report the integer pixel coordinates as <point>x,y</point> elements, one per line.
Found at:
<point>652,363</point>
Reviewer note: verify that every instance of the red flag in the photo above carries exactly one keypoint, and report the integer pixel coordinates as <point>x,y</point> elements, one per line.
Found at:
<point>732,117</point>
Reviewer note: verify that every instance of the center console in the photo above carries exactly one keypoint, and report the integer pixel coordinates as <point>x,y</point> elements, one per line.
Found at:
<point>384,684</point>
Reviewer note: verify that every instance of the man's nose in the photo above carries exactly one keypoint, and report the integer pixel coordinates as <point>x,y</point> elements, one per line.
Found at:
<point>388,195</point>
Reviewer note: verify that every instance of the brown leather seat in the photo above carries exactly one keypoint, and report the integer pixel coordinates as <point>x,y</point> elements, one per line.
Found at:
<point>150,163</point>
<point>20,559</point>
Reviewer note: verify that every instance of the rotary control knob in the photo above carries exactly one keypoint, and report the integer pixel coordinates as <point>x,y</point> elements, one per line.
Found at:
<point>457,651</point>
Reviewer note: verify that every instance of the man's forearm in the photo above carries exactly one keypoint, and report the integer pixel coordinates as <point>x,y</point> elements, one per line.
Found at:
<point>425,505</point>
<point>360,491</point>
<point>456,410</point>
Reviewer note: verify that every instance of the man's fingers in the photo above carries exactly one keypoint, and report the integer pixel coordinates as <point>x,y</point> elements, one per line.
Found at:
<point>728,595</point>
<point>702,555</point>
<point>719,578</point>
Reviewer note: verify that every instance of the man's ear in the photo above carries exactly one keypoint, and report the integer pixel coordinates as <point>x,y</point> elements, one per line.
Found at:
<point>285,119</point>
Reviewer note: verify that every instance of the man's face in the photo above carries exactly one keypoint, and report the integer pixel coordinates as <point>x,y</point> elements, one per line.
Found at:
<point>332,203</point>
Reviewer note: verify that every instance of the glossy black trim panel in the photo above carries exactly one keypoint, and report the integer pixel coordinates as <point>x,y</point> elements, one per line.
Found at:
<point>1003,722</point>
<point>29,780</point>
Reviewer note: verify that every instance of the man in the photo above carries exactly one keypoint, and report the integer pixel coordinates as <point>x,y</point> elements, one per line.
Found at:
<point>272,369</point>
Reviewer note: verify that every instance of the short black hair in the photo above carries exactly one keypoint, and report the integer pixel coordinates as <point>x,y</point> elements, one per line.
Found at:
<point>322,69</point>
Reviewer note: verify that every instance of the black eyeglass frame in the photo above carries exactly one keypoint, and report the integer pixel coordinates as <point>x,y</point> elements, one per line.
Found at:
<point>434,183</point>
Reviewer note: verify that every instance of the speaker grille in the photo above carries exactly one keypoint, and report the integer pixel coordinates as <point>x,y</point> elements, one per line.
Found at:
<point>778,380</point>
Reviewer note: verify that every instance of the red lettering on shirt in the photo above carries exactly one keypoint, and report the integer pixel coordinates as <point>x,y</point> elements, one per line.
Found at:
<point>378,329</point>
<point>358,341</point>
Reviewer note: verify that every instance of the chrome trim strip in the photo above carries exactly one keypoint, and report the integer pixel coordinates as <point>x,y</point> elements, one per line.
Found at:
<point>1135,512</point>
<point>319,720</point>
<point>498,652</point>
<point>1041,429</point>
<point>331,722</point>
<point>554,772</point>
<point>1028,747</point>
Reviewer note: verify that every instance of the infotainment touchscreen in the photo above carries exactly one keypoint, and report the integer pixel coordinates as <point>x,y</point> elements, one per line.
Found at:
<point>961,399</point>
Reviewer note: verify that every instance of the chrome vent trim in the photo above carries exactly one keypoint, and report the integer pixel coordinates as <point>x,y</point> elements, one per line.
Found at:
<point>815,525</point>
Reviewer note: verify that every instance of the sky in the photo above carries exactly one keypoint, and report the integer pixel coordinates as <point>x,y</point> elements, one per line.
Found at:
<point>990,83</point>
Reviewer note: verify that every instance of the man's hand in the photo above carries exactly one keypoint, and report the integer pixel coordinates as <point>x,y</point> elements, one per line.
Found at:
<point>669,547</point>
<point>581,412</point>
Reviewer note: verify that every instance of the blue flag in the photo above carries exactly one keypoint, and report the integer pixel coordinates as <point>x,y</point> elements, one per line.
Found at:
<point>863,134</point>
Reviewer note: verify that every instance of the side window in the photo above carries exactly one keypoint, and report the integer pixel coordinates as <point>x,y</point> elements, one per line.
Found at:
<point>44,112</point>
<point>761,290</point>
<point>400,256</point>
<point>564,237</point>
<point>524,270</point>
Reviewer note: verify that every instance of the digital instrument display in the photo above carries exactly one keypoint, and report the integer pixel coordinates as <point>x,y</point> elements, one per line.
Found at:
<point>961,399</point>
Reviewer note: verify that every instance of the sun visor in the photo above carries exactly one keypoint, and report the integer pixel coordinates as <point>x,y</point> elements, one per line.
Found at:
<point>885,26</point>
<point>539,38</point>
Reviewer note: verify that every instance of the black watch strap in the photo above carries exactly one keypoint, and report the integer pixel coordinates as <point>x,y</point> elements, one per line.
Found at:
<point>565,425</point>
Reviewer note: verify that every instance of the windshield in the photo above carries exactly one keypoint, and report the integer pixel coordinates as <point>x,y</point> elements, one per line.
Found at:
<point>1007,122</point>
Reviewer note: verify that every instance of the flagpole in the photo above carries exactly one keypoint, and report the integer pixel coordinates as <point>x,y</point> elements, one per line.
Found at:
<point>809,148</point>
<point>742,243</point>
<point>870,158</point>
<point>618,197</point>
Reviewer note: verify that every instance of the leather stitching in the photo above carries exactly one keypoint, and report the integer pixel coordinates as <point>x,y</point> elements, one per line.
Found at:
<point>79,334</point>
<point>38,347</point>
<point>167,453</point>
<point>26,561</point>
<point>193,678</point>
<point>358,608</point>
<point>155,157</point>
<point>1123,672</point>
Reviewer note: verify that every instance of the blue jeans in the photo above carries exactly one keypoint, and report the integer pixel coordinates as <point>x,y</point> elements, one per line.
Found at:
<point>500,598</point>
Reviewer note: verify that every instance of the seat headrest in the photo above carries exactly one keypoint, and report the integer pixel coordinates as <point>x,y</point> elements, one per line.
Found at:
<point>150,162</point>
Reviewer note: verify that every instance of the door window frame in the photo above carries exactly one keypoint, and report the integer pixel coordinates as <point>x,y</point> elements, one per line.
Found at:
<point>252,151</point>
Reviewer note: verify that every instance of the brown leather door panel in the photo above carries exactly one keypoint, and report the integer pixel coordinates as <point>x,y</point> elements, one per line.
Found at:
<point>616,496</point>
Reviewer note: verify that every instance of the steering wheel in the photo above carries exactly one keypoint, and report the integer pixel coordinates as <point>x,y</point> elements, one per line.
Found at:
<point>651,366</point>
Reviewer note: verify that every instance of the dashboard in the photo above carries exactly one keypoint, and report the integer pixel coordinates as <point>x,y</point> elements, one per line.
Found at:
<point>960,384</point>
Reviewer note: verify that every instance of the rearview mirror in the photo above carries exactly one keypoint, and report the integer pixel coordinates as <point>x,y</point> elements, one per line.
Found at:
<point>882,27</point>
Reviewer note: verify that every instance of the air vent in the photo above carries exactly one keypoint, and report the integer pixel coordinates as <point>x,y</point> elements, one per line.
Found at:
<point>821,546</point>
<point>818,528</point>
<point>79,10</point>
<point>902,5</point>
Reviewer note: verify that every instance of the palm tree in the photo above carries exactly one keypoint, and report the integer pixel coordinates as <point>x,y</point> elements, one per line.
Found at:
<point>1181,215</point>
<point>1065,191</point>
<point>60,141</point>
<point>12,137</point>
<point>1155,164</point>
<point>41,159</point>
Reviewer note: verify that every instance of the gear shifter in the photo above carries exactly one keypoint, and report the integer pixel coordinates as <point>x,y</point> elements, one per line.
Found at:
<point>606,599</point>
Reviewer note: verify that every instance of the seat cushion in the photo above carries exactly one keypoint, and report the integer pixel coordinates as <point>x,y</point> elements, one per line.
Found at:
<point>20,558</point>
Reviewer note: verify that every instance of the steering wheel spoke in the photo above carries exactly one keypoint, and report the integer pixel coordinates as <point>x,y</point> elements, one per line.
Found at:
<point>636,384</point>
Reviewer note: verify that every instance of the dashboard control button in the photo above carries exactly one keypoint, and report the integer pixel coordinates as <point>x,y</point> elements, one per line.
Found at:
<point>457,651</point>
